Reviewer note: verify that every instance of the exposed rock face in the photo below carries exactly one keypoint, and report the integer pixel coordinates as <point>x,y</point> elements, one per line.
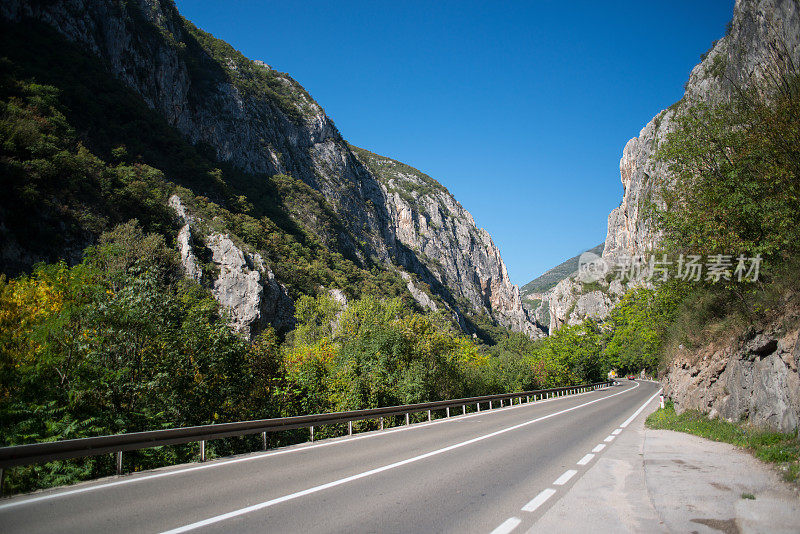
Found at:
<point>439,241</point>
<point>568,306</point>
<point>248,289</point>
<point>422,298</point>
<point>755,378</point>
<point>191,267</point>
<point>284,131</point>
<point>757,30</point>
<point>244,286</point>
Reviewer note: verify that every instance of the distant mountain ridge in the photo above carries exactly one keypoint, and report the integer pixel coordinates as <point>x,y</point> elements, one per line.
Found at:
<point>553,276</point>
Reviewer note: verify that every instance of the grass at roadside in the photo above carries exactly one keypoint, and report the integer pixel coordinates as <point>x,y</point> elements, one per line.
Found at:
<point>768,446</point>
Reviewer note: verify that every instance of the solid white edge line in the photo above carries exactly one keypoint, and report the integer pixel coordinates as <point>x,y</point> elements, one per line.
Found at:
<point>563,479</point>
<point>599,447</point>
<point>303,447</point>
<point>539,500</point>
<point>315,489</point>
<point>630,419</point>
<point>586,459</point>
<point>507,526</point>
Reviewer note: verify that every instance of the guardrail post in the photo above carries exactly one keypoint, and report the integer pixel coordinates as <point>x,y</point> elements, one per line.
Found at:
<point>2,480</point>
<point>490,405</point>
<point>381,423</point>
<point>263,441</point>
<point>429,415</point>
<point>349,428</point>
<point>478,405</point>
<point>448,411</point>
<point>463,409</point>
<point>202,450</point>
<point>408,422</point>
<point>118,458</point>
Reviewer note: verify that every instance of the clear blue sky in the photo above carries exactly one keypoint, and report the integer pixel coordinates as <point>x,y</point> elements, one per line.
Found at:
<point>521,110</point>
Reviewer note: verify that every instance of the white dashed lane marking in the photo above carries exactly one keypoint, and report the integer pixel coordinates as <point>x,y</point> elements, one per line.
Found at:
<point>507,526</point>
<point>586,459</point>
<point>539,500</point>
<point>563,479</point>
<point>599,448</point>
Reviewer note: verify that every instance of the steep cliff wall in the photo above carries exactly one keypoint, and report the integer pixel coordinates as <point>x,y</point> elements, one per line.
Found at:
<point>264,123</point>
<point>253,117</point>
<point>757,33</point>
<point>760,32</point>
<point>442,243</point>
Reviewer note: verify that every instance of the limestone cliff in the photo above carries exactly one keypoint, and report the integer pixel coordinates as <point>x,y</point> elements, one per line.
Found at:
<point>442,244</point>
<point>759,34</point>
<point>759,31</point>
<point>242,283</point>
<point>264,123</point>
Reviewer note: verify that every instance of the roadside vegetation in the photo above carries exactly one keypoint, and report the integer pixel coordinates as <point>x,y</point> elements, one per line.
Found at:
<point>122,342</point>
<point>777,448</point>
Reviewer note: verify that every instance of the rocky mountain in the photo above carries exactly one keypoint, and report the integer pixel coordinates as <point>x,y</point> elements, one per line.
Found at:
<point>373,211</point>
<point>760,33</point>
<point>539,285</point>
<point>444,246</point>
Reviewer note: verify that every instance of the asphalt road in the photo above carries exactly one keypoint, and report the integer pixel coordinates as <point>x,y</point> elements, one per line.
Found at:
<point>472,473</point>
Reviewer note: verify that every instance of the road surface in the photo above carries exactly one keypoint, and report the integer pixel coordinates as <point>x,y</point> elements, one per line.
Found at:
<point>493,471</point>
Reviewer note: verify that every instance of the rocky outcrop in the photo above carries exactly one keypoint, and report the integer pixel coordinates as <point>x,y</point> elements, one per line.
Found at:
<point>439,241</point>
<point>242,284</point>
<point>264,123</point>
<point>755,378</point>
<point>422,298</point>
<point>189,263</point>
<point>248,289</point>
<point>761,33</point>
<point>570,304</point>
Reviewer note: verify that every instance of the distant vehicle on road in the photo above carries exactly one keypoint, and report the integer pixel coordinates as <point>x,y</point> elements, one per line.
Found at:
<point>631,377</point>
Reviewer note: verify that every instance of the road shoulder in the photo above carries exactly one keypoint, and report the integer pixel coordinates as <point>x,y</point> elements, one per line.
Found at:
<point>665,481</point>
<point>612,495</point>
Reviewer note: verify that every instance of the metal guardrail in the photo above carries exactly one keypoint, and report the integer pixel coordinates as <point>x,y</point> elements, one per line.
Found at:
<point>118,443</point>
